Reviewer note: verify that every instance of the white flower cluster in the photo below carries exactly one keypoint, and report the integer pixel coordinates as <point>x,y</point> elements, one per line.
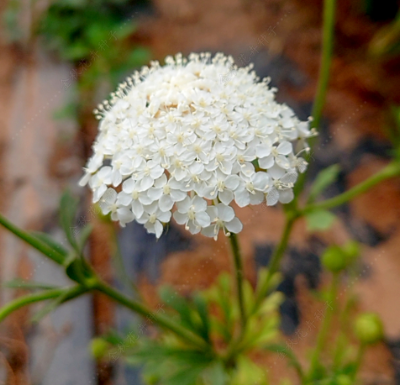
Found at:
<point>176,139</point>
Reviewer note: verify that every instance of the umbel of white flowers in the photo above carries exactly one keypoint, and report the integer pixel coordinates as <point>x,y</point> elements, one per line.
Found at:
<point>189,138</point>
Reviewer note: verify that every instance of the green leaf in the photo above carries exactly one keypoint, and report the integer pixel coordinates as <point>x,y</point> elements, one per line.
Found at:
<point>185,376</point>
<point>125,30</point>
<point>179,304</point>
<point>68,208</point>
<point>84,236</point>
<point>49,307</point>
<point>215,374</point>
<point>289,354</point>
<point>271,303</point>
<point>29,285</point>
<point>248,372</point>
<point>176,366</point>
<point>220,328</point>
<point>45,238</point>
<point>319,220</point>
<point>202,310</point>
<point>139,56</point>
<point>325,178</point>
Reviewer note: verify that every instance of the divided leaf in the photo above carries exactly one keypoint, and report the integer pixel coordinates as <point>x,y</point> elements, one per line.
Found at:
<point>324,179</point>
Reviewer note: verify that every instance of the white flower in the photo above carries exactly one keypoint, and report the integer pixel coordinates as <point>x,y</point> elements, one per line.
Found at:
<point>135,195</point>
<point>177,138</point>
<point>152,218</point>
<point>99,182</point>
<point>282,185</point>
<point>221,186</point>
<point>192,213</point>
<point>167,192</point>
<point>222,217</point>
<point>251,190</point>
<point>108,204</point>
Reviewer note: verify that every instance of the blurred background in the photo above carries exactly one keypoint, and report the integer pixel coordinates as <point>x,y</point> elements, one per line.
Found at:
<point>60,59</point>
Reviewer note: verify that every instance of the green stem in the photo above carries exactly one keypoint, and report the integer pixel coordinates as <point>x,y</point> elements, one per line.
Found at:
<point>344,318</point>
<point>324,329</point>
<point>16,304</point>
<point>360,356</point>
<point>160,320</point>
<point>275,260</point>
<point>237,261</point>
<point>390,171</point>
<point>33,241</point>
<point>323,77</point>
<point>326,59</point>
<point>119,265</point>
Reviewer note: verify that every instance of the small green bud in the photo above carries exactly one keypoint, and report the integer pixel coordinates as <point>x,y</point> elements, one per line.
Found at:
<point>98,348</point>
<point>151,379</point>
<point>343,379</point>
<point>334,259</point>
<point>369,328</point>
<point>352,250</point>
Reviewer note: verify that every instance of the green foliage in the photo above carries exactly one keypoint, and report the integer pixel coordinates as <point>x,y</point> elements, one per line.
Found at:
<point>97,38</point>
<point>168,364</point>
<point>386,41</point>
<point>68,209</point>
<point>323,180</point>
<point>248,372</point>
<point>75,266</point>
<point>318,220</point>
<point>48,240</point>
<point>192,313</point>
<point>392,130</point>
<point>49,307</point>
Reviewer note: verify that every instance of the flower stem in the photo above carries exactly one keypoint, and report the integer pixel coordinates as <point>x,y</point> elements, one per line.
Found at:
<point>275,260</point>
<point>323,77</point>
<point>324,330</point>
<point>326,59</point>
<point>160,320</point>
<point>33,241</point>
<point>119,264</point>
<point>237,261</point>
<point>390,171</point>
<point>359,358</point>
<point>68,294</point>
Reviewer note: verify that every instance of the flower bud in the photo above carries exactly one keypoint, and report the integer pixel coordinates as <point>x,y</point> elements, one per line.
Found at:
<point>343,379</point>
<point>336,258</point>
<point>333,259</point>
<point>369,328</point>
<point>98,348</point>
<point>352,250</point>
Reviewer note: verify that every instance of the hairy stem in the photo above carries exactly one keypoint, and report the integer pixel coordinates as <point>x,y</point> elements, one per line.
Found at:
<point>16,304</point>
<point>159,319</point>
<point>324,329</point>
<point>326,59</point>
<point>323,77</point>
<point>237,261</point>
<point>390,171</point>
<point>275,260</point>
<point>119,264</point>
<point>359,359</point>
<point>33,241</point>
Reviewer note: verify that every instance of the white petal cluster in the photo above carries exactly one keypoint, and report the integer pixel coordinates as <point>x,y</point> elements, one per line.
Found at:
<point>188,139</point>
